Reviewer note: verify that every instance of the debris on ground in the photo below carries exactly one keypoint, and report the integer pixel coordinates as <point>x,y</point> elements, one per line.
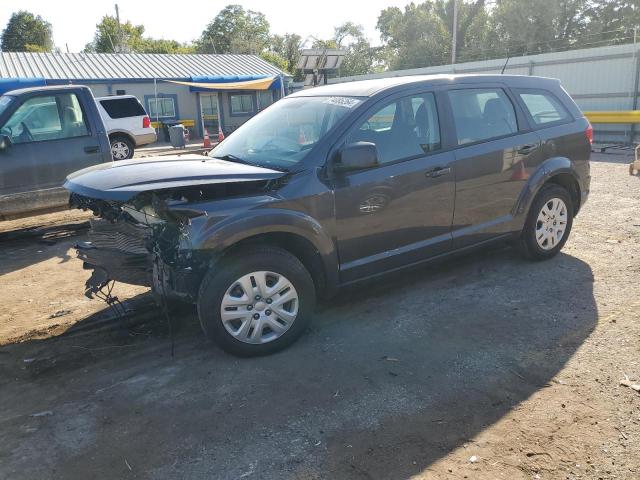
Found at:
<point>628,383</point>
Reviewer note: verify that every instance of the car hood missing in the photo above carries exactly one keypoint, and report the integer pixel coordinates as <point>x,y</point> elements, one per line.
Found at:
<point>122,180</point>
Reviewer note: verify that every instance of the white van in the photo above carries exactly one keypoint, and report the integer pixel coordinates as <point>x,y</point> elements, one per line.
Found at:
<point>127,124</point>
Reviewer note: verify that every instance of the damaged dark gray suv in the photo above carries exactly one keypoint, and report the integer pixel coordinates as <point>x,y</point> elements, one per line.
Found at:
<point>334,185</point>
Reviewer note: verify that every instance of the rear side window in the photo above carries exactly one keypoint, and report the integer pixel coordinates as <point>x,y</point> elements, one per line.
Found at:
<point>405,128</point>
<point>123,107</point>
<point>543,107</point>
<point>482,114</point>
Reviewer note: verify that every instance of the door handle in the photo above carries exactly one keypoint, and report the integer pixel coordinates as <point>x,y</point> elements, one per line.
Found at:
<point>437,172</point>
<point>527,149</point>
<point>91,149</point>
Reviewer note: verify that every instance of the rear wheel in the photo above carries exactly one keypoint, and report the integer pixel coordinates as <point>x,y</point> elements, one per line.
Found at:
<point>548,224</point>
<point>256,302</point>
<point>121,148</point>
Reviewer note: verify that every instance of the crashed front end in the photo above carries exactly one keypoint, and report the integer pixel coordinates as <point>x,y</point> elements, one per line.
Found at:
<point>143,233</point>
<point>132,243</point>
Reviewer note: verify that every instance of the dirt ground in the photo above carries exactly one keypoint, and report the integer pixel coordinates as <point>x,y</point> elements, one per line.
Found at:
<point>485,367</point>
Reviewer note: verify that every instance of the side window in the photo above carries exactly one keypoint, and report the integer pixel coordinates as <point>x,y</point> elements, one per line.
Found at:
<point>44,118</point>
<point>123,107</point>
<point>543,106</point>
<point>482,114</point>
<point>404,128</point>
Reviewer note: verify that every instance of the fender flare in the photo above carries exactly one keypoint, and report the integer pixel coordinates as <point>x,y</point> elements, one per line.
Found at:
<point>546,170</point>
<point>223,235</point>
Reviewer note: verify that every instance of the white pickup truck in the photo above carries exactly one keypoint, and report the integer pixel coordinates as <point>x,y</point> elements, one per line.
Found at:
<point>127,124</point>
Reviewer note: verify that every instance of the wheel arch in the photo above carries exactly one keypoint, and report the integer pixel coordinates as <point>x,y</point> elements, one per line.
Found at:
<point>122,133</point>
<point>294,232</point>
<point>557,170</point>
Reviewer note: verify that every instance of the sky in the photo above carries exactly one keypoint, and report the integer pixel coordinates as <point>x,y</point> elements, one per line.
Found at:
<point>74,21</point>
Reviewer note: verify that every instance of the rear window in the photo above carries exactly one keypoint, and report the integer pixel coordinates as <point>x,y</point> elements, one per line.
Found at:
<point>123,107</point>
<point>482,114</point>
<point>543,106</point>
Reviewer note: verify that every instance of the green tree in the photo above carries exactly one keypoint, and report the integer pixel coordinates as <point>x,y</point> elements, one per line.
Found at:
<point>235,30</point>
<point>152,45</point>
<point>612,21</point>
<point>113,38</point>
<point>361,56</point>
<point>288,47</point>
<point>414,37</point>
<point>274,59</point>
<point>536,26</point>
<point>26,32</point>
<point>126,37</point>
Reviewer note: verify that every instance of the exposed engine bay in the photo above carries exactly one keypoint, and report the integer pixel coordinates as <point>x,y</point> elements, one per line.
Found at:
<point>146,240</point>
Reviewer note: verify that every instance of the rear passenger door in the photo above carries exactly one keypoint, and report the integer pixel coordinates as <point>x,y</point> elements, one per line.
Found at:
<point>496,151</point>
<point>50,138</point>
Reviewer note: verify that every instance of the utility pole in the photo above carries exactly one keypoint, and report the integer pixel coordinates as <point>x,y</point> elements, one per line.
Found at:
<point>454,32</point>
<point>119,40</point>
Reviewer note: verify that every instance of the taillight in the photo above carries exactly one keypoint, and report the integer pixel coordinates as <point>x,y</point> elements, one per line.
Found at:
<point>589,134</point>
<point>146,122</point>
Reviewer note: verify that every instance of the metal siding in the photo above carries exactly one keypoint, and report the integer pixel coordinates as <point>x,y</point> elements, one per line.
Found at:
<point>110,66</point>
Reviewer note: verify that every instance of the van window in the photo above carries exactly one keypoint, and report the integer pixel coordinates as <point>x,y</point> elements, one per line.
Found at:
<point>123,107</point>
<point>404,128</point>
<point>46,117</point>
<point>543,106</point>
<point>482,114</point>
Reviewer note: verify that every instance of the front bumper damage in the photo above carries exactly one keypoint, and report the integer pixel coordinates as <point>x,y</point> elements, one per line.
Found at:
<point>130,253</point>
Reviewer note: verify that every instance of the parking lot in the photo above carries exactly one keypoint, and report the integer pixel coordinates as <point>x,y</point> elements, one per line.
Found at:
<point>483,367</point>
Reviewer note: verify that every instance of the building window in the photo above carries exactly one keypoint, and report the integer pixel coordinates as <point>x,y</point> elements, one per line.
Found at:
<point>265,98</point>
<point>241,104</point>
<point>162,108</point>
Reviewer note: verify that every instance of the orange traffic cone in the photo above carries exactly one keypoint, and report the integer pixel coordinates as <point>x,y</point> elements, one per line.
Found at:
<point>220,134</point>
<point>207,142</point>
<point>520,173</point>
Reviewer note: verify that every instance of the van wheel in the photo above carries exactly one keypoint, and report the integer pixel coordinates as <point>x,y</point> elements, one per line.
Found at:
<point>548,223</point>
<point>256,302</point>
<point>121,148</point>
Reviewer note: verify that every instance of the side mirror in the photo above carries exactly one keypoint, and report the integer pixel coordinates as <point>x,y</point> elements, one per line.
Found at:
<point>5,142</point>
<point>357,156</point>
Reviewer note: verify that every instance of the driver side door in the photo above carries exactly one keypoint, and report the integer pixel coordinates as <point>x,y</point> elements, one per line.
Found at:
<point>49,139</point>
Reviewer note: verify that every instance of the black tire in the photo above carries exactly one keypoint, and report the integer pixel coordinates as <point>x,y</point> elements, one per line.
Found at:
<point>527,243</point>
<point>223,274</point>
<point>116,141</point>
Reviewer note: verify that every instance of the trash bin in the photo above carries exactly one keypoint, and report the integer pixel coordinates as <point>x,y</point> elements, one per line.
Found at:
<point>176,136</point>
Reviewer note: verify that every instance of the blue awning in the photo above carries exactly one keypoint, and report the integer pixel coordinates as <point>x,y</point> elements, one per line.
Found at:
<point>7,84</point>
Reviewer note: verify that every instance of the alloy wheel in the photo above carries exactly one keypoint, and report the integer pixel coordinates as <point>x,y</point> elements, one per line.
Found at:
<point>119,150</point>
<point>259,307</point>
<point>551,223</point>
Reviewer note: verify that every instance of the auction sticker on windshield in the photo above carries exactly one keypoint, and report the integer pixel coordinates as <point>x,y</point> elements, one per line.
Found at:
<point>346,102</point>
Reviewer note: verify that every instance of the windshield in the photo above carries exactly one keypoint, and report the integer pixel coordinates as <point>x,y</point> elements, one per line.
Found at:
<point>5,101</point>
<point>283,135</point>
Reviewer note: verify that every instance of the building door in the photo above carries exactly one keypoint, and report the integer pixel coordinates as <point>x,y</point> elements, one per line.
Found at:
<point>209,109</point>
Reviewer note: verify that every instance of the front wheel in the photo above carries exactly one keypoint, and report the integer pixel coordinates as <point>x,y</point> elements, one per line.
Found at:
<point>548,224</point>
<point>256,302</point>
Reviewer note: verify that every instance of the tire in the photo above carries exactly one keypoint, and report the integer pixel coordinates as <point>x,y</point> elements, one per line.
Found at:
<point>122,148</point>
<point>551,240</point>
<point>247,336</point>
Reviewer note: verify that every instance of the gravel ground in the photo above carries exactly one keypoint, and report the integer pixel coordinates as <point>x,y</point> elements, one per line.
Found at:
<point>484,367</point>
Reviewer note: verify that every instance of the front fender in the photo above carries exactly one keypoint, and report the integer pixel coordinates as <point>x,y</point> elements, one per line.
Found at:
<point>232,230</point>
<point>546,170</point>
